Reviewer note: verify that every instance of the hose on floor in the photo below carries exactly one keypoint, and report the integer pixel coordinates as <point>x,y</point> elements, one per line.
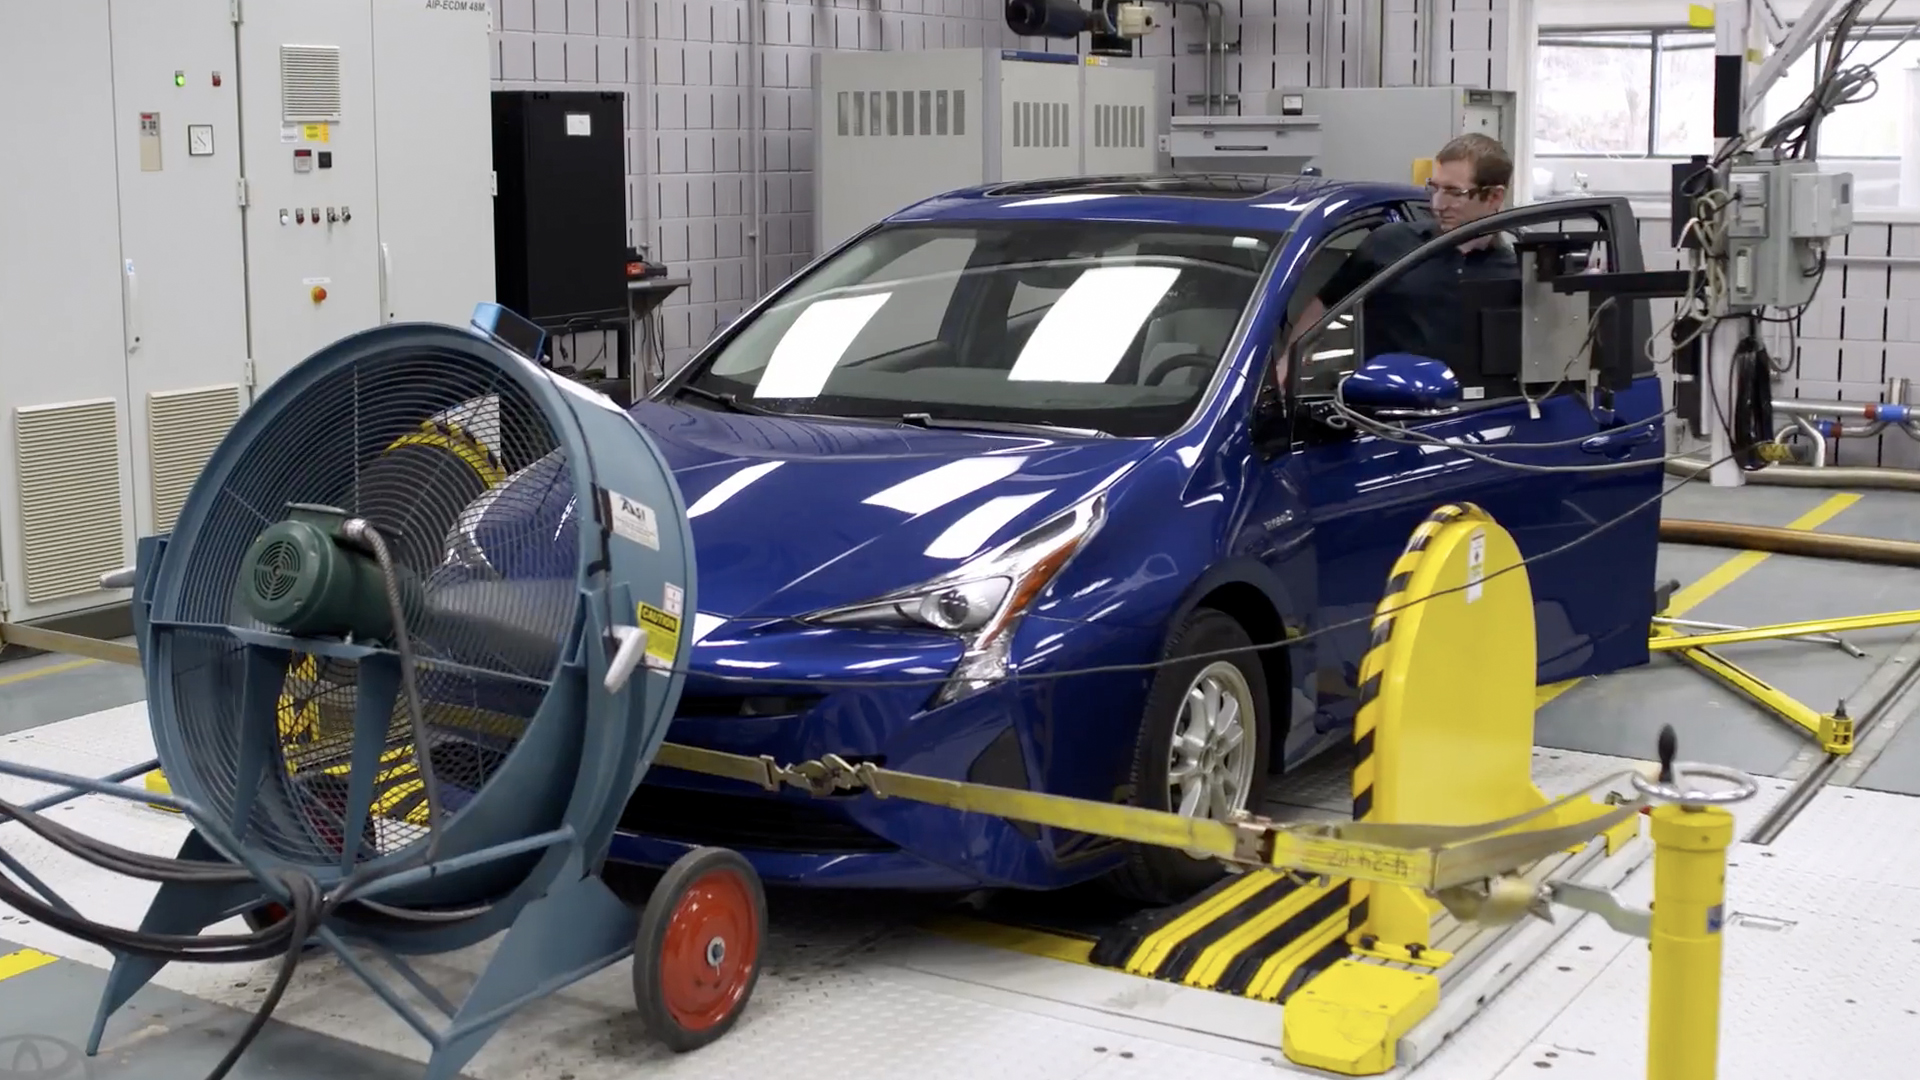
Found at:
<point>1864,549</point>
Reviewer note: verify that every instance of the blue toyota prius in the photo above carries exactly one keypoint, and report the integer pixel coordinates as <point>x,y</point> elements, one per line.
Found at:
<point>1053,426</point>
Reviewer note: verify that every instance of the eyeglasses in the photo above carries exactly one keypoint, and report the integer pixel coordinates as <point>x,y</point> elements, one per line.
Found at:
<point>1434,188</point>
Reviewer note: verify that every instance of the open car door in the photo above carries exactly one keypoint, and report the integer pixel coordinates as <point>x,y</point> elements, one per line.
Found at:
<point>1549,416</point>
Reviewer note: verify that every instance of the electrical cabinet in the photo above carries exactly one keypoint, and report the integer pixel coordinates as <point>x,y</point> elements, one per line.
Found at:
<point>560,221</point>
<point>1352,133</point>
<point>160,263</point>
<point>896,128</point>
<point>1375,133</point>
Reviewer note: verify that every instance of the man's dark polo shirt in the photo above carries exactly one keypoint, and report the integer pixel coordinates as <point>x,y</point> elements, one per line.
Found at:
<point>1420,312</point>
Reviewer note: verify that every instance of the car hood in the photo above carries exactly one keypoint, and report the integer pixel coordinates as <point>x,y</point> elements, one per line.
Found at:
<point>792,515</point>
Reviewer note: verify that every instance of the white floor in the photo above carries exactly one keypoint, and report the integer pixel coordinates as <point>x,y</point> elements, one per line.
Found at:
<point>1822,972</point>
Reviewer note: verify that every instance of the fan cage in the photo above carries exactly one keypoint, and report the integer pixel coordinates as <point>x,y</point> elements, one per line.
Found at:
<point>457,465</point>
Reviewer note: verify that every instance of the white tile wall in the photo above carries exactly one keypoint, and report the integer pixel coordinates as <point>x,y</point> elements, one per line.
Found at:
<point>686,68</point>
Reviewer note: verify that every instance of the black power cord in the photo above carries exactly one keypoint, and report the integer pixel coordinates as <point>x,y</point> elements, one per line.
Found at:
<point>1752,387</point>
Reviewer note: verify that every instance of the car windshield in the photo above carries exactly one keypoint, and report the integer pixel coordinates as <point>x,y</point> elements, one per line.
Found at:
<point>1108,327</point>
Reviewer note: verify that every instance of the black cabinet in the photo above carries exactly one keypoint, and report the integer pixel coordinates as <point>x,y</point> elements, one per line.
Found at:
<point>560,218</point>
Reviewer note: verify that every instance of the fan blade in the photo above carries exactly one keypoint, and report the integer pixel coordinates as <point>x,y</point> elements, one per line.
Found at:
<point>263,674</point>
<point>373,715</point>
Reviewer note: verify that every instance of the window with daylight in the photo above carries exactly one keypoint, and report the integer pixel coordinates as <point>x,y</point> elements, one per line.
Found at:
<point>1649,93</point>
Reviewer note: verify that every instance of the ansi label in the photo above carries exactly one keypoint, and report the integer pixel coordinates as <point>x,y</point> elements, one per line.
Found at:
<point>634,520</point>
<point>676,600</point>
<point>1476,564</point>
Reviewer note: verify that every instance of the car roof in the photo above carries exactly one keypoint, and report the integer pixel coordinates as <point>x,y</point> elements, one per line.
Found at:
<point>1250,201</point>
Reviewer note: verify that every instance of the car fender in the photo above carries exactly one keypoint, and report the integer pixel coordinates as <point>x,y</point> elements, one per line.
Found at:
<point>1245,575</point>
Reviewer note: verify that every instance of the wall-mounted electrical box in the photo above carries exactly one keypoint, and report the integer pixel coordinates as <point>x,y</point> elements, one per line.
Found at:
<point>1273,144</point>
<point>894,128</point>
<point>1362,133</point>
<point>172,274</point>
<point>1779,219</point>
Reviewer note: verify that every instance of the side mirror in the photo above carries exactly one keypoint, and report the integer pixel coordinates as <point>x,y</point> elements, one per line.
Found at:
<point>1403,383</point>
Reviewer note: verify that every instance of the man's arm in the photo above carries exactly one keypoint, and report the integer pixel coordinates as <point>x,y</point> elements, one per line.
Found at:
<point>1361,265</point>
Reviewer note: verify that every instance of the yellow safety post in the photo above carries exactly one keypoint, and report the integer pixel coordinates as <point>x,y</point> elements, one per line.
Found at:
<point>1690,843</point>
<point>1689,891</point>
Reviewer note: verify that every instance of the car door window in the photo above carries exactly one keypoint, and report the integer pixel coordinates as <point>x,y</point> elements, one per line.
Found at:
<point>1333,354</point>
<point>1464,308</point>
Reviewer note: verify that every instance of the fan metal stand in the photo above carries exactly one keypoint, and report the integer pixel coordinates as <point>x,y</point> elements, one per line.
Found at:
<point>696,945</point>
<point>698,941</point>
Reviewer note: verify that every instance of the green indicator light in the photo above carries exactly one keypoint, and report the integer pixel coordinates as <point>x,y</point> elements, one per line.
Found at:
<point>179,78</point>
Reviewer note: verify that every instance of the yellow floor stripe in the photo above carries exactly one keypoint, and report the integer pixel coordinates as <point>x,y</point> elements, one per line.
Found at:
<point>1692,596</point>
<point>1218,957</point>
<point>1013,938</point>
<point>19,963</point>
<point>1728,572</point>
<point>1153,950</point>
<point>50,669</point>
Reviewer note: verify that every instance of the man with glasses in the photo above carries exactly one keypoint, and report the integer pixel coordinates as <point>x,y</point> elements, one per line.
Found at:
<point>1420,311</point>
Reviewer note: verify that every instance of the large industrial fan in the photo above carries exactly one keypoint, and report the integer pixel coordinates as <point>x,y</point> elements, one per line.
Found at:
<point>409,650</point>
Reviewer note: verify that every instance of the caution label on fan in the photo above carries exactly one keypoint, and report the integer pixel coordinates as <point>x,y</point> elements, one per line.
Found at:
<point>634,520</point>
<point>663,635</point>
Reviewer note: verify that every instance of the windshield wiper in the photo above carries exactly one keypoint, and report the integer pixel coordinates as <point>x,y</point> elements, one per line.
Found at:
<point>731,401</point>
<point>928,421</point>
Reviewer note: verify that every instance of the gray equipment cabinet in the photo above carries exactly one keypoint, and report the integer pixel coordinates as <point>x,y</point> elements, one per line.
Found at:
<point>896,128</point>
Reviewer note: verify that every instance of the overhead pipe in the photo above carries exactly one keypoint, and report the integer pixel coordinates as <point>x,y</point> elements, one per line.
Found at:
<point>1790,542</point>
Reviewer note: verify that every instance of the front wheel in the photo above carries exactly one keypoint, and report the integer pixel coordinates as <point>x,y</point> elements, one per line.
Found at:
<point>1200,750</point>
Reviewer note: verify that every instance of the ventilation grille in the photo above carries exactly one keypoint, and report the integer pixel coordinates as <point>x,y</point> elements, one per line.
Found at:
<point>1041,123</point>
<point>932,113</point>
<point>1119,126</point>
<point>71,528</point>
<point>309,83</point>
<point>184,427</point>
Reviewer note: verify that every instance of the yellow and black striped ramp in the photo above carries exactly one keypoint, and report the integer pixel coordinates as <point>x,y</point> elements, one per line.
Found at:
<point>1257,935</point>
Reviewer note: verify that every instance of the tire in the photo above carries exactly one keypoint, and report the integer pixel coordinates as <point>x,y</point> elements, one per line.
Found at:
<point>696,958</point>
<point>1157,875</point>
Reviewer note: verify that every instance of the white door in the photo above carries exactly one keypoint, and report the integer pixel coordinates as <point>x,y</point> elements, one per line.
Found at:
<point>63,376</point>
<point>177,123</point>
<point>306,110</point>
<point>434,124</point>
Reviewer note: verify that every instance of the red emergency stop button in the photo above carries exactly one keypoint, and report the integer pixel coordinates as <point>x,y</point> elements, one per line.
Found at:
<point>319,293</point>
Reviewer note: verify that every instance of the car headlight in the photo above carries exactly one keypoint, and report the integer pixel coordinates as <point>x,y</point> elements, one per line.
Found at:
<point>983,599</point>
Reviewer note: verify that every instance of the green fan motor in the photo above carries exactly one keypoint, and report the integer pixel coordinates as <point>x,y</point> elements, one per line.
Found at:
<point>303,575</point>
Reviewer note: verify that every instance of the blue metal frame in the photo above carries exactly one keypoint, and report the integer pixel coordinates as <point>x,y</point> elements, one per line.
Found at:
<point>212,838</point>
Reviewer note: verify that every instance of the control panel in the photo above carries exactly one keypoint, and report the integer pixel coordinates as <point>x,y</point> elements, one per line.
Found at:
<point>1780,216</point>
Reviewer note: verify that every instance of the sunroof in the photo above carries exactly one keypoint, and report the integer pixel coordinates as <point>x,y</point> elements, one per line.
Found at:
<point>1187,185</point>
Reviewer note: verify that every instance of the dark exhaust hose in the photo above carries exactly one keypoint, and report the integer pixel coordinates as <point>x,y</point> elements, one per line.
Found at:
<point>1790,542</point>
<point>1051,18</point>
